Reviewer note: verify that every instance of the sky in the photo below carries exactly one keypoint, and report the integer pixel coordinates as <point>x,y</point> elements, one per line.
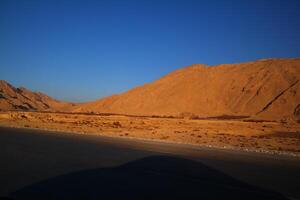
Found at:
<point>83,50</point>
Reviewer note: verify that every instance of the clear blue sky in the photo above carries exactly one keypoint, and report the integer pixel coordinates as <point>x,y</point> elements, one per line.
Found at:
<point>83,50</point>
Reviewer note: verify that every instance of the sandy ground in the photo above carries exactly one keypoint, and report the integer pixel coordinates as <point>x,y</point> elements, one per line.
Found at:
<point>256,136</point>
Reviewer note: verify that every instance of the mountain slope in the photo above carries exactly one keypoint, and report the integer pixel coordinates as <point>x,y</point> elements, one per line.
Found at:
<point>268,88</point>
<point>12,98</point>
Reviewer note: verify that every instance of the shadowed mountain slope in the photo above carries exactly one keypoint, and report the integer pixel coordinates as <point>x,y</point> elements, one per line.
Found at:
<point>267,88</point>
<point>12,98</point>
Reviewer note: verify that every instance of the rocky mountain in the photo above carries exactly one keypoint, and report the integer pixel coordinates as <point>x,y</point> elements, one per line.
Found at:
<point>12,98</point>
<point>267,88</point>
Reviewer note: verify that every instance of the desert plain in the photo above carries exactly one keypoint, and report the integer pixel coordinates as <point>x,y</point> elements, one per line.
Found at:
<point>224,132</point>
<point>253,106</point>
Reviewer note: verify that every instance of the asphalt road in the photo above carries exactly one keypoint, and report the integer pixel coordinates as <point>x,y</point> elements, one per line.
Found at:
<point>37,164</point>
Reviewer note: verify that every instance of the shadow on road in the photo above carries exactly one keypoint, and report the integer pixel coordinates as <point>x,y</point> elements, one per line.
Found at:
<point>155,177</point>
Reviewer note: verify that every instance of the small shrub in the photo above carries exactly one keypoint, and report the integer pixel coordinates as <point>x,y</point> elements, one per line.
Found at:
<point>24,117</point>
<point>117,124</point>
<point>188,115</point>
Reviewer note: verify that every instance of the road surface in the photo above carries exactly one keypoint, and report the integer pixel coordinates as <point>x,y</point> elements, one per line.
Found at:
<point>36,164</point>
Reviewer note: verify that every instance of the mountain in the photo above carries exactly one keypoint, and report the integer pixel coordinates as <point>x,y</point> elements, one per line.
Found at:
<point>12,98</point>
<point>267,89</point>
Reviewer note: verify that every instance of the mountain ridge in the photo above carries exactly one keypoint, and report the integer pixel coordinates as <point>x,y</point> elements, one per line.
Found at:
<point>227,89</point>
<point>266,88</point>
<point>21,98</point>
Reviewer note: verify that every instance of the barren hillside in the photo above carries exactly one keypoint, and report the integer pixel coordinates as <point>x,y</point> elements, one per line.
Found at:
<point>12,98</point>
<point>267,88</point>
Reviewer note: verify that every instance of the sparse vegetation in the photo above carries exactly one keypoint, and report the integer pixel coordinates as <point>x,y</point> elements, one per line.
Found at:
<point>117,124</point>
<point>237,133</point>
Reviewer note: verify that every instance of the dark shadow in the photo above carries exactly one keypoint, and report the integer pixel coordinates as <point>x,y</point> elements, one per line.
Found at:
<point>157,177</point>
<point>286,134</point>
<point>226,117</point>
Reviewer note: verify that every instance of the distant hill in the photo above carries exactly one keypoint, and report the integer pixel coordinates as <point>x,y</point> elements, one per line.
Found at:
<point>267,88</point>
<point>12,98</point>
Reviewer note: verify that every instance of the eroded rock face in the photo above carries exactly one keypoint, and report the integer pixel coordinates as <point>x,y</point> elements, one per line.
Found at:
<point>297,112</point>
<point>12,98</point>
